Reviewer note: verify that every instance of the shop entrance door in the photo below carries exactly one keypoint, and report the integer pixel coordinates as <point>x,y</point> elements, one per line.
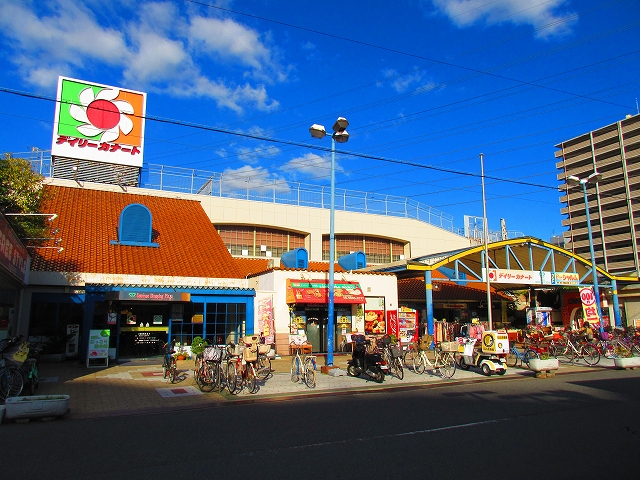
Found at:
<point>315,334</point>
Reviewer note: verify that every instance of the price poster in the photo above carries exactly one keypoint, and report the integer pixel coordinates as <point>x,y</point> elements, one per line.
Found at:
<point>98,344</point>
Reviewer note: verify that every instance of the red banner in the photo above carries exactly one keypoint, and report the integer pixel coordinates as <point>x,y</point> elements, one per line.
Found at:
<point>317,291</point>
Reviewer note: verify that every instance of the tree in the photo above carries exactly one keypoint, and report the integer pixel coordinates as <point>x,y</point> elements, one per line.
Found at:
<point>22,191</point>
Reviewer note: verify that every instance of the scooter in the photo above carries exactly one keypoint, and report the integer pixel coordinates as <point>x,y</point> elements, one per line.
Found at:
<point>370,364</point>
<point>492,356</point>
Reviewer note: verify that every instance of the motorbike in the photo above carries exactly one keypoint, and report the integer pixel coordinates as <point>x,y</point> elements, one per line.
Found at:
<point>371,364</point>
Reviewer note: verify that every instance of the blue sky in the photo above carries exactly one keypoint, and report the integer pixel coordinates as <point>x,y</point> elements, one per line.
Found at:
<point>427,85</point>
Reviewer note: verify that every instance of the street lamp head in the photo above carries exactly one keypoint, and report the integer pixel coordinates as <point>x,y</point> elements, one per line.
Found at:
<point>573,180</point>
<point>340,125</point>
<point>317,131</point>
<point>341,137</point>
<point>595,177</point>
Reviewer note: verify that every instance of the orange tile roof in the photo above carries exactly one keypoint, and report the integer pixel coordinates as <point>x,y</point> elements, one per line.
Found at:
<point>251,266</point>
<point>189,245</point>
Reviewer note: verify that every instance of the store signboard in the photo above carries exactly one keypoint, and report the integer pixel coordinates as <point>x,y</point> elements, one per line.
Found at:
<point>316,291</point>
<point>13,254</point>
<point>531,277</point>
<point>153,296</point>
<point>99,123</point>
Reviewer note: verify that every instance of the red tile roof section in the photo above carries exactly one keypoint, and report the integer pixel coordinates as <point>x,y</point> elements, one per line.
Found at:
<point>189,245</point>
<point>251,266</point>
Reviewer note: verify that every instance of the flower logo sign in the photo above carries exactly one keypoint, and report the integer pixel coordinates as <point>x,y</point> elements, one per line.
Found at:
<point>98,123</point>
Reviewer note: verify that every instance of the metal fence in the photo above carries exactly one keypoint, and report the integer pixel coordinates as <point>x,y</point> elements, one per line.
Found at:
<point>236,185</point>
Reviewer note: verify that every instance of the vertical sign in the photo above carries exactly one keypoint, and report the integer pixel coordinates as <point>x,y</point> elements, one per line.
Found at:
<point>265,320</point>
<point>392,323</point>
<point>589,306</point>
<point>73,334</point>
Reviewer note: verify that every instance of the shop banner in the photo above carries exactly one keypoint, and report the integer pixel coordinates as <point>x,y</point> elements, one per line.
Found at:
<point>392,323</point>
<point>73,335</point>
<point>589,306</point>
<point>265,320</point>
<point>317,291</point>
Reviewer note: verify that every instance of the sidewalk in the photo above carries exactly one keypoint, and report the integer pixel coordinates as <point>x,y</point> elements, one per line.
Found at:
<point>137,387</point>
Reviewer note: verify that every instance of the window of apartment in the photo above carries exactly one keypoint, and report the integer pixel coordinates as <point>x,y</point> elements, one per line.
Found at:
<point>377,249</point>
<point>259,241</point>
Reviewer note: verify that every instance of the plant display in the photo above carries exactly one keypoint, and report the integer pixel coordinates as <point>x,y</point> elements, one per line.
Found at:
<point>197,345</point>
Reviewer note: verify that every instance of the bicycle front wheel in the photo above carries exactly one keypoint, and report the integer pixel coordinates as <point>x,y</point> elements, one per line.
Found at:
<point>447,366</point>
<point>398,367</point>
<point>528,355</point>
<point>567,354</point>
<point>295,368</point>
<point>512,358</point>
<point>264,367</point>
<point>207,377</point>
<point>309,373</point>
<point>173,374</point>
<point>408,358</point>
<point>590,354</point>
<point>419,363</point>
<point>251,381</point>
<point>235,380</point>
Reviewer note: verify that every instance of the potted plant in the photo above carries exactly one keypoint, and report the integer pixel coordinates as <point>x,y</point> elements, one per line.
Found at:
<point>197,346</point>
<point>181,352</point>
<point>624,359</point>
<point>36,406</point>
<point>543,366</point>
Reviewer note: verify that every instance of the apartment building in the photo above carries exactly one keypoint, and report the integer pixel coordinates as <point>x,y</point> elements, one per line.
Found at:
<point>613,197</point>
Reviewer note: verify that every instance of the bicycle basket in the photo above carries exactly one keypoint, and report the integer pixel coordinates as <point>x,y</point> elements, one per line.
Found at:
<point>212,354</point>
<point>449,346</point>
<point>395,351</point>
<point>250,356</point>
<point>263,348</point>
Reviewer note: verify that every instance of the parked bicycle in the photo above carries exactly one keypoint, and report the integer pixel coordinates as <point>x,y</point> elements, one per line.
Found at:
<point>170,364</point>
<point>514,356</point>
<point>303,368</point>
<point>392,355</point>
<point>11,381</point>
<point>444,362</point>
<point>29,367</point>
<point>241,371</point>
<point>570,348</point>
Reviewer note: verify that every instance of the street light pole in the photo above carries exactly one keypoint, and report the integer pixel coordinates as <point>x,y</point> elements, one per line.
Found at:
<point>340,135</point>
<point>573,180</point>
<point>485,227</point>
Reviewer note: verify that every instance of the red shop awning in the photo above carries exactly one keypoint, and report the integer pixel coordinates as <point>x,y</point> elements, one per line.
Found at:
<point>316,291</point>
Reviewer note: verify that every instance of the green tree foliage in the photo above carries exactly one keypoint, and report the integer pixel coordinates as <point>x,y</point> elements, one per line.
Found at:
<point>22,191</point>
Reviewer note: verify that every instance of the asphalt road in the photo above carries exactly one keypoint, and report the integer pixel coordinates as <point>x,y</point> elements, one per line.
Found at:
<point>571,426</point>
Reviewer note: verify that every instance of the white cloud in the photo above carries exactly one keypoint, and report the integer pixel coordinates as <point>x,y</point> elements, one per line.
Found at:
<point>310,165</point>
<point>402,83</point>
<point>152,45</point>
<point>254,179</point>
<point>234,42</point>
<point>549,14</point>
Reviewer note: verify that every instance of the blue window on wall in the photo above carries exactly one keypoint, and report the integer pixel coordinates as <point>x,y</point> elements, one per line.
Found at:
<point>135,226</point>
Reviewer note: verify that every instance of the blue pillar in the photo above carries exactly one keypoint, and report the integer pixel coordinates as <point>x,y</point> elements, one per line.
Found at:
<point>616,304</point>
<point>429,300</point>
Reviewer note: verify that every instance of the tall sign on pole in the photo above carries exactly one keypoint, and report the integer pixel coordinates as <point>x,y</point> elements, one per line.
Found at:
<point>98,123</point>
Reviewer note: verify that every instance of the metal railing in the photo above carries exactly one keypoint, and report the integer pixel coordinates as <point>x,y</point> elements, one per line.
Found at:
<point>244,187</point>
